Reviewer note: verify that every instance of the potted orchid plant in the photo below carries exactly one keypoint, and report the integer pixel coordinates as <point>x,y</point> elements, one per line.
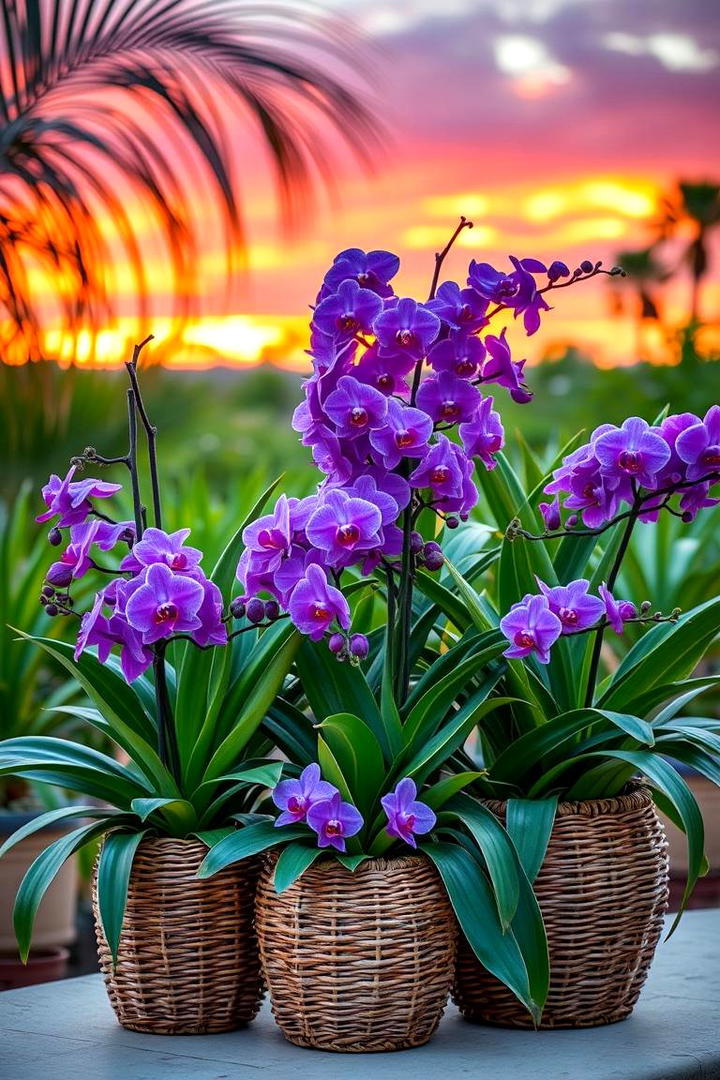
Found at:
<point>180,689</point>
<point>376,829</point>
<point>591,743</point>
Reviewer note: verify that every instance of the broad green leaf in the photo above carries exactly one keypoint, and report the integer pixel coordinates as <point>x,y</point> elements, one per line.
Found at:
<point>179,814</point>
<point>476,912</point>
<point>41,874</point>
<point>43,821</point>
<point>529,824</point>
<point>292,863</point>
<point>251,840</point>
<point>358,755</point>
<point>496,848</point>
<point>437,795</point>
<point>113,878</point>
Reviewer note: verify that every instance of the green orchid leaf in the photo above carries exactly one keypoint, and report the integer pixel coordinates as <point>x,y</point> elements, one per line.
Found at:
<point>113,879</point>
<point>529,824</point>
<point>293,861</point>
<point>242,843</point>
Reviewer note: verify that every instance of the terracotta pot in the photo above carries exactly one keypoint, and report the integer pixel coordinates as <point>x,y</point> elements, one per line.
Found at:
<point>188,959</point>
<point>44,965</point>
<point>55,921</point>
<point>358,961</point>
<point>603,890</point>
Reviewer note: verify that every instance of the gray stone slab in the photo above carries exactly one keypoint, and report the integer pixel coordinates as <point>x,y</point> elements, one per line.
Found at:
<point>67,1031</point>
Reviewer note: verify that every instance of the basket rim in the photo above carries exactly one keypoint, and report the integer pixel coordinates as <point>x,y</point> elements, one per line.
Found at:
<point>328,862</point>
<point>636,797</point>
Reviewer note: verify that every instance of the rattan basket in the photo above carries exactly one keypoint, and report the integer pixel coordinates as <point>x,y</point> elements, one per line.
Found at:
<point>358,961</point>
<point>603,890</point>
<point>188,960</point>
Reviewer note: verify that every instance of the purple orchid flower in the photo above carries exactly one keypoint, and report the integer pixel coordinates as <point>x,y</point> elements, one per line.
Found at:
<point>295,797</point>
<point>699,446</point>
<point>372,270</point>
<point>461,309</point>
<point>407,327</point>
<point>460,354</point>
<point>531,628</point>
<point>355,408</point>
<point>405,434</point>
<point>164,603</point>
<point>517,290</point>
<point>70,500</point>
<point>551,514</point>
<point>333,820</point>
<point>157,546</point>
<point>574,607</point>
<point>448,399</point>
<point>349,311</point>
<point>342,525</point>
<point>314,604</point>
<point>407,816</point>
<point>440,471</point>
<point>212,629</point>
<point>499,367</point>
<point>618,612</point>
<point>366,488</point>
<point>385,373</point>
<point>95,630</point>
<point>484,436</point>
<point>634,451</point>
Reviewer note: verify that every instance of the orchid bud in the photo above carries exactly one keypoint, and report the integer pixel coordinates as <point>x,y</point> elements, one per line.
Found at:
<point>272,610</point>
<point>336,643</point>
<point>586,266</point>
<point>51,610</point>
<point>451,522</point>
<point>47,590</point>
<point>416,543</point>
<point>237,608</point>
<point>359,646</point>
<point>557,270</point>
<point>60,574</point>
<point>433,556</point>
<point>55,537</point>
<point>255,610</point>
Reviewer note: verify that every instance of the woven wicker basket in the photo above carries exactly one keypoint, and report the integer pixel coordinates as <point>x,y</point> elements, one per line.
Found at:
<point>603,891</point>
<point>188,960</point>
<point>358,961</point>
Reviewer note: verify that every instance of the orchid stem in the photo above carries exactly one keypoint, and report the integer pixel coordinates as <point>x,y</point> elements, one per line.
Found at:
<point>612,578</point>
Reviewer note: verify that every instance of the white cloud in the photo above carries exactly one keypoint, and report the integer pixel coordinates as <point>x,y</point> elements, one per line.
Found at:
<point>677,52</point>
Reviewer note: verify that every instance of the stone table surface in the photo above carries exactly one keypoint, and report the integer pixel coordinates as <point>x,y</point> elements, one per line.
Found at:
<point>67,1031</point>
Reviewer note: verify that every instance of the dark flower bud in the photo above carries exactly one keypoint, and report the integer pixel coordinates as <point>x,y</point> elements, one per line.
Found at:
<point>51,609</point>
<point>255,610</point>
<point>687,517</point>
<point>586,266</point>
<point>571,522</point>
<point>272,610</point>
<point>237,608</point>
<point>416,543</point>
<point>47,590</point>
<point>557,270</point>
<point>43,599</point>
<point>55,537</point>
<point>645,606</point>
<point>433,556</point>
<point>65,599</point>
<point>336,643</point>
<point>59,574</point>
<point>359,646</point>
<point>451,522</point>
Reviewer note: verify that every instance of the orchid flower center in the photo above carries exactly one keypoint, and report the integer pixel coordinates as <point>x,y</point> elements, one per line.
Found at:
<point>406,822</point>
<point>67,557</point>
<point>449,410</point>
<point>405,337</point>
<point>494,443</point>
<point>464,367</point>
<point>320,613</point>
<point>465,314</point>
<point>711,456</point>
<point>334,827</point>
<point>358,417</point>
<point>178,561</point>
<point>385,382</point>
<point>439,474</point>
<point>165,612</point>
<point>630,461</point>
<point>508,287</point>
<point>568,616</point>
<point>297,805</point>
<point>362,279</point>
<point>524,639</point>
<point>348,534</point>
<point>403,439</point>
<point>347,322</point>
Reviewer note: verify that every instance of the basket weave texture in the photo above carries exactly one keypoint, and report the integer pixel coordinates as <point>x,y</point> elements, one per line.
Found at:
<point>603,890</point>
<point>188,960</point>
<point>358,962</point>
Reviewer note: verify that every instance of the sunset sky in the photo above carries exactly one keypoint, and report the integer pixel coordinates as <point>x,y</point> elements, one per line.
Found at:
<point>554,124</point>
